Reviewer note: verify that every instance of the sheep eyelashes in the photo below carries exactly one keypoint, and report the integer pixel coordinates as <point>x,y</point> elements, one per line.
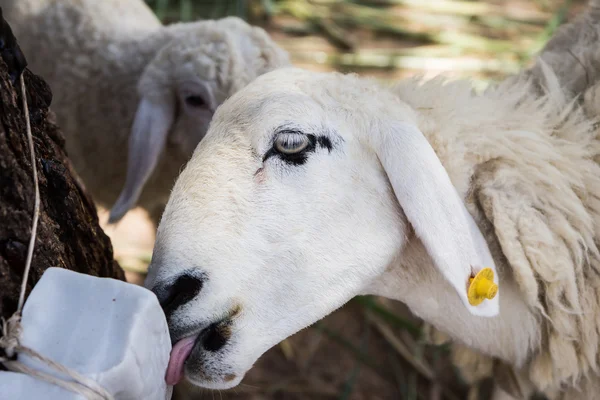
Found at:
<point>291,142</point>
<point>293,146</point>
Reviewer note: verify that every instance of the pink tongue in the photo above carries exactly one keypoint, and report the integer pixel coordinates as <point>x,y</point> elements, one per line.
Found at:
<point>179,354</point>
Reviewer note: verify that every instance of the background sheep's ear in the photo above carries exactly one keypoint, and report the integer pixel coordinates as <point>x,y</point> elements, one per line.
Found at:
<point>146,142</point>
<point>435,210</point>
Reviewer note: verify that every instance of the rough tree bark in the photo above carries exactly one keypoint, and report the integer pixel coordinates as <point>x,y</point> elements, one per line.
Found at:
<point>69,235</point>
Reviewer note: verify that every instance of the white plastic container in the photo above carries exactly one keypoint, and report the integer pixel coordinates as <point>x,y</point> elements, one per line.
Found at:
<point>108,330</point>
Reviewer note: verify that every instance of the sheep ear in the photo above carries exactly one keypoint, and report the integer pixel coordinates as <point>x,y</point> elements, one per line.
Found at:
<point>146,142</point>
<point>436,211</point>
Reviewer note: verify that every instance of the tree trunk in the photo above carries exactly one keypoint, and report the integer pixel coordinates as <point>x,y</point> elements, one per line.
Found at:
<point>69,235</point>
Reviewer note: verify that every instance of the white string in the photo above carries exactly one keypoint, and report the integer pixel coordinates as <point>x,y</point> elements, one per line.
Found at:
<point>36,207</point>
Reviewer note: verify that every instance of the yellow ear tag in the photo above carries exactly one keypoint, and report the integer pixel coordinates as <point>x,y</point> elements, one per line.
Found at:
<point>482,287</point>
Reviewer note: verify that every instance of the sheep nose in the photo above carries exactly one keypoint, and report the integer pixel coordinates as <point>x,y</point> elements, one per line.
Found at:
<point>177,293</point>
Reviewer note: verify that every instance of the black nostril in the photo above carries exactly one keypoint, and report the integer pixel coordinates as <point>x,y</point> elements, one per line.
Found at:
<point>215,336</point>
<point>184,289</point>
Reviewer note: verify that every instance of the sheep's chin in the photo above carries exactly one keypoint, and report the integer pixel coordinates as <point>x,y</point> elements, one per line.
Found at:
<point>215,385</point>
<point>199,377</point>
<point>205,369</point>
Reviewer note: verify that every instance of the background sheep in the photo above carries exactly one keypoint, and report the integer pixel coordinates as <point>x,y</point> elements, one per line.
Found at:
<point>134,97</point>
<point>321,199</point>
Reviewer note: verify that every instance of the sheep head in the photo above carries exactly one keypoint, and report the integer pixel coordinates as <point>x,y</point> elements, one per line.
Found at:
<point>305,191</point>
<point>203,64</point>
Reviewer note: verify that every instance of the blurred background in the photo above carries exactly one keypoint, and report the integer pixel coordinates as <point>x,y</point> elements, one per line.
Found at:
<point>372,348</point>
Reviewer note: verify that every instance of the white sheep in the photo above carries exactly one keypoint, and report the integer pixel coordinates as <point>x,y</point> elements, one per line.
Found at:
<point>311,188</point>
<point>134,97</point>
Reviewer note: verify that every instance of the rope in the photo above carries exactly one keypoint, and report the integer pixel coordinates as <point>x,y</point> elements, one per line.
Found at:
<point>36,207</point>
<point>11,328</point>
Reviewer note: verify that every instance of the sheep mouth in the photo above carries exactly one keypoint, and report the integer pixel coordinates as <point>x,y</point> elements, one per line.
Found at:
<point>189,352</point>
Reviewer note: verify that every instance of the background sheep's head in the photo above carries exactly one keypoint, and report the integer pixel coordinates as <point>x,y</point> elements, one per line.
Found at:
<point>301,196</point>
<point>203,64</point>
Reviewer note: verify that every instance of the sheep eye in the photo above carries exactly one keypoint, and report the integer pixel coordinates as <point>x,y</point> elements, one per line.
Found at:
<point>291,143</point>
<point>195,101</point>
